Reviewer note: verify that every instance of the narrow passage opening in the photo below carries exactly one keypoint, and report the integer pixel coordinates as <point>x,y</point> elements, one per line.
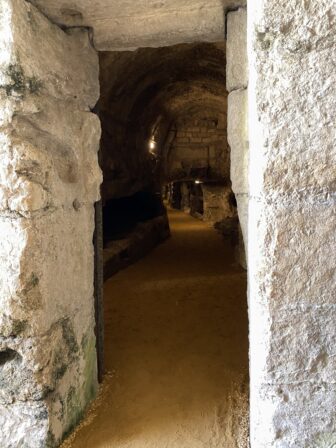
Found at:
<point>176,342</point>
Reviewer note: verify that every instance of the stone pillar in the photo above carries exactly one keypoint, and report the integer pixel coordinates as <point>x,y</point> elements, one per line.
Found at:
<point>185,200</point>
<point>292,245</point>
<point>236,84</point>
<point>49,181</point>
<point>216,203</point>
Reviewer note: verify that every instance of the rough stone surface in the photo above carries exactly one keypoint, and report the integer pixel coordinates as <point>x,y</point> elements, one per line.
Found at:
<point>236,50</point>
<point>199,145</point>
<point>292,223</point>
<point>49,179</point>
<point>239,145</point>
<point>238,140</point>
<point>128,25</point>
<point>217,203</point>
<point>236,82</point>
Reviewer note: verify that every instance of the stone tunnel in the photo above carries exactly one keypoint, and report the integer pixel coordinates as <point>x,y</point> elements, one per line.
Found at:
<point>164,136</point>
<point>167,222</point>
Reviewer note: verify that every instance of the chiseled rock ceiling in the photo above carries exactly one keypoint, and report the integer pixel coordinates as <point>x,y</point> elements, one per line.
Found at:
<point>167,82</point>
<point>129,24</point>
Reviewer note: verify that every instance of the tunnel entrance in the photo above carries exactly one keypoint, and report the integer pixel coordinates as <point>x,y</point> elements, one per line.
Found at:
<point>164,135</point>
<point>176,321</point>
<point>175,340</point>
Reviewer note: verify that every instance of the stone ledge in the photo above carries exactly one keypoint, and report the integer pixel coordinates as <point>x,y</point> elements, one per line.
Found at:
<point>122,253</point>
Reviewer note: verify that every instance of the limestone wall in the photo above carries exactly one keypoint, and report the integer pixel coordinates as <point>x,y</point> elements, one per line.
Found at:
<point>200,144</point>
<point>49,180</point>
<point>125,25</point>
<point>292,223</point>
<point>236,83</point>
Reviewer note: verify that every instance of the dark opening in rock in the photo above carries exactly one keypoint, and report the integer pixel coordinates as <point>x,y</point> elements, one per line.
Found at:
<point>7,356</point>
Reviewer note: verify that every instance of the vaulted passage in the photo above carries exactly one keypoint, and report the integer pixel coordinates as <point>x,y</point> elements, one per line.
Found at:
<point>176,348</point>
<point>176,343</point>
<point>111,113</point>
<point>164,134</point>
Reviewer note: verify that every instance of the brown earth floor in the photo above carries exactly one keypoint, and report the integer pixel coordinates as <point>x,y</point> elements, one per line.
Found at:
<point>176,349</point>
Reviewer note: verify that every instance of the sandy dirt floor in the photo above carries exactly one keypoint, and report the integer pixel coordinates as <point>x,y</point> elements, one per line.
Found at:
<point>176,349</point>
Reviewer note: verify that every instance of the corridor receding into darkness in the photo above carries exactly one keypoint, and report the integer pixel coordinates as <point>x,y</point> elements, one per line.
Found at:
<point>176,348</point>
<point>176,330</point>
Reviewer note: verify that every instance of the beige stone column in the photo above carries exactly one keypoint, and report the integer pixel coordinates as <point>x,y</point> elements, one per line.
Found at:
<point>291,245</point>
<point>236,84</point>
<point>49,181</point>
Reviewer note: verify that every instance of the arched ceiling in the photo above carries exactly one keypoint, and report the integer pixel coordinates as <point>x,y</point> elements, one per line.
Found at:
<point>146,92</point>
<point>131,24</point>
<point>139,86</point>
<point>182,100</point>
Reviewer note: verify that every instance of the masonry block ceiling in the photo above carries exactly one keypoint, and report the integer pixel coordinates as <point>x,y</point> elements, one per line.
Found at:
<point>129,24</point>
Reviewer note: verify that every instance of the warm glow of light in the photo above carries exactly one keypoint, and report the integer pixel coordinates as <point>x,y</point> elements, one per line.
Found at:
<point>198,181</point>
<point>152,144</point>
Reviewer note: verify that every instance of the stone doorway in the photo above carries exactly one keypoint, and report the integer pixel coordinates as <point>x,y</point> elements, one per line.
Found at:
<point>52,136</point>
<point>50,181</point>
<point>171,129</point>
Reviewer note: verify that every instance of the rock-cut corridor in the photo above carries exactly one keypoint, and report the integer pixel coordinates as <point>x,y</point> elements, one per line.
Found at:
<point>176,349</point>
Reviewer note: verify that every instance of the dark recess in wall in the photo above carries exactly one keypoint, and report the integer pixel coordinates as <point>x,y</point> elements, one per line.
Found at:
<point>120,216</point>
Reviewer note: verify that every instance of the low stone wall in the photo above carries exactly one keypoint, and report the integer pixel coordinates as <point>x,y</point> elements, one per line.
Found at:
<point>121,253</point>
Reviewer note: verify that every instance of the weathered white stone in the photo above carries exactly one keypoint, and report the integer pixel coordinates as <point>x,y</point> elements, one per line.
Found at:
<point>239,155</point>
<point>236,82</point>
<point>37,292</point>
<point>292,223</point>
<point>49,180</point>
<point>23,423</point>
<point>236,50</point>
<point>146,23</point>
<point>238,140</point>
<point>52,72</point>
<point>285,410</point>
<point>28,196</point>
<point>56,154</point>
